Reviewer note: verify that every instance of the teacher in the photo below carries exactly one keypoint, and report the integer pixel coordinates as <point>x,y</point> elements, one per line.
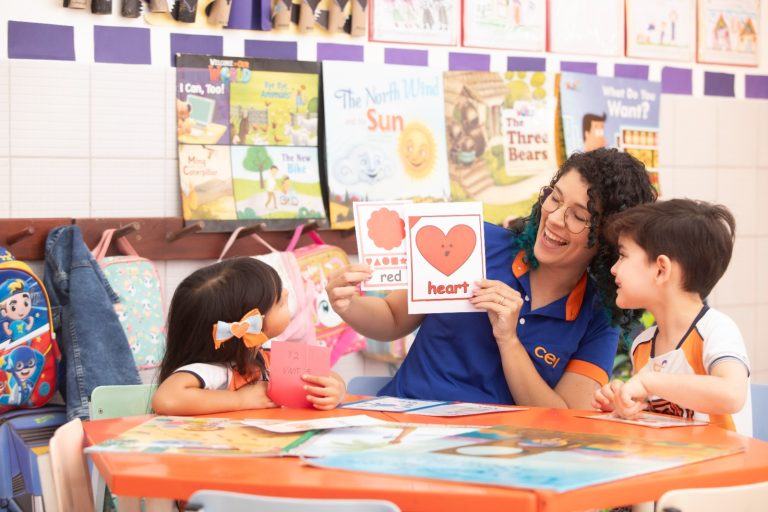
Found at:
<point>547,325</point>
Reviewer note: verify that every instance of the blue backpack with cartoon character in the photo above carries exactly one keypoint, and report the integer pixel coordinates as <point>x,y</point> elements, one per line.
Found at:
<point>29,355</point>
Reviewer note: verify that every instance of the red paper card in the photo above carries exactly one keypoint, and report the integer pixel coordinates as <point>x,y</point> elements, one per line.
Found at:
<point>287,363</point>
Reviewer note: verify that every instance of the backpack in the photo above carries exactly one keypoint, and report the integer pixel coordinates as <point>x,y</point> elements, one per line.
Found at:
<point>317,262</point>
<point>140,310</point>
<point>300,295</point>
<point>29,355</point>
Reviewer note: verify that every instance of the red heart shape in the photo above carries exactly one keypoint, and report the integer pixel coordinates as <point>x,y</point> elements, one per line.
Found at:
<point>447,253</point>
<point>368,260</point>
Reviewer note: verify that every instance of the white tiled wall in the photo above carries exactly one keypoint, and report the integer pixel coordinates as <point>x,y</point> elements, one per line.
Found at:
<point>714,149</point>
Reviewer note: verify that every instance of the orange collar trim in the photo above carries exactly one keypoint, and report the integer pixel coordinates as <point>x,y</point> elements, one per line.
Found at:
<point>575,298</point>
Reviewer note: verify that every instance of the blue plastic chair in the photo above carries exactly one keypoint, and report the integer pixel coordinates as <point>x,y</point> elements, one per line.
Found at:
<point>367,385</point>
<point>760,411</point>
<point>220,501</point>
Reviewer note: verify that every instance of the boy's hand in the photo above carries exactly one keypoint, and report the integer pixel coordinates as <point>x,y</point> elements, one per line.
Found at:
<point>630,399</point>
<point>325,393</point>
<point>603,399</point>
<point>254,396</point>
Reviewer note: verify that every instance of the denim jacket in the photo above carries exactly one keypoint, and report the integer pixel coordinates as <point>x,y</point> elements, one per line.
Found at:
<point>94,348</point>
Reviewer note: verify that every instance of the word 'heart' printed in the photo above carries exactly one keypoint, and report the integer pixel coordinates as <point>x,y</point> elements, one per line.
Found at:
<point>447,253</point>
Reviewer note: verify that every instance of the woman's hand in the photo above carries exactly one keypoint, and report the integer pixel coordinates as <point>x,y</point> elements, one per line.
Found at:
<point>254,396</point>
<point>324,393</point>
<point>343,285</point>
<point>503,306</point>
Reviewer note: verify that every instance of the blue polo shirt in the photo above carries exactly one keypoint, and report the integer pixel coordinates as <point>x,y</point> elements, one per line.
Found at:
<point>455,356</point>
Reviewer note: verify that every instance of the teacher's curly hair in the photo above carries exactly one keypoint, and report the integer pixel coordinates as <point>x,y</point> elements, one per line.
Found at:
<point>616,181</point>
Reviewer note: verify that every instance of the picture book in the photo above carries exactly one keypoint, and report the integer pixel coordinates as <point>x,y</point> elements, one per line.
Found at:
<point>286,427</point>
<point>446,256</point>
<point>356,439</point>
<point>501,137</point>
<point>384,136</point>
<point>512,25</point>
<point>615,112</point>
<point>512,456</point>
<point>729,32</point>
<point>427,407</point>
<point>200,436</point>
<point>247,131</point>
<point>650,420</point>
<point>380,231</point>
<point>661,29</point>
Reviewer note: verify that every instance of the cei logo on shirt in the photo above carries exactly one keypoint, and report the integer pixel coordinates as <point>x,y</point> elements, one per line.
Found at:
<point>548,357</point>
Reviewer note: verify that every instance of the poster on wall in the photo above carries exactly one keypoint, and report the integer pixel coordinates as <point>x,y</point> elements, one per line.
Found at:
<point>613,112</point>
<point>729,32</point>
<point>384,136</point>
<point>661,29</point>
<point>415,21</point>
<point>516,25</point>
<point>591,27</point>
<point>247,138</point>
<point>501,138</point>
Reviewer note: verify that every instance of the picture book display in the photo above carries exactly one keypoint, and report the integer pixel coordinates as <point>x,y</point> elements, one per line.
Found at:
<point>427,407</point>
<point>661,29</point>
<point>407,21</point>
<point>501,136</point>
<point>200,436</point>
<point>513,25</point>
<point>380,231</point>
<point>384,136</point>
<point>512,456</point>
<point>615,112</point>
<point>446,256</point>
<point>729,32</point>
<point>247,138</point>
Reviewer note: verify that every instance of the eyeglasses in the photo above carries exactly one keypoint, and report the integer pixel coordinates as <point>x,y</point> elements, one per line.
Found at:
<point>576,219</point>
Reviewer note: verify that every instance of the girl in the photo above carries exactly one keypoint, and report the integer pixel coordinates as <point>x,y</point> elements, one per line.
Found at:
<point>219,317</point>
<point>547,325</point>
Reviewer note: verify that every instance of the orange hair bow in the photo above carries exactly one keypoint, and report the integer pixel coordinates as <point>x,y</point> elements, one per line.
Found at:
<point>248,329</point>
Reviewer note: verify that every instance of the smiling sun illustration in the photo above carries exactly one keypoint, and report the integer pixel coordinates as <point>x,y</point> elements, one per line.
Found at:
<point>417,150</point>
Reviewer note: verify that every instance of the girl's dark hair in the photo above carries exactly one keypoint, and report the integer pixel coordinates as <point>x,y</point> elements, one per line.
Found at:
<point>223,291</point>
<point>616,182</point>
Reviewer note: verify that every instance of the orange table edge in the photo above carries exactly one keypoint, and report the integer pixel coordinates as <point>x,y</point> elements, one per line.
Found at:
<point>178,476</point>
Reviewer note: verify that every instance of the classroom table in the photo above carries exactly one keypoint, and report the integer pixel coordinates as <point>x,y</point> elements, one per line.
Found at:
<point>169,477</point>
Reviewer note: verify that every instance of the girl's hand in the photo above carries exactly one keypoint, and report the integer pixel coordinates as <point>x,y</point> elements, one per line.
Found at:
<point>342,285</point>
<point>503,305</point>
<point>254,396</point>
<point>604,397</point>
<point>325,393</point>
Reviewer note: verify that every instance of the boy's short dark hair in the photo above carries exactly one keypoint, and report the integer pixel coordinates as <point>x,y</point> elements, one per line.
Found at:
<point>697,235</point>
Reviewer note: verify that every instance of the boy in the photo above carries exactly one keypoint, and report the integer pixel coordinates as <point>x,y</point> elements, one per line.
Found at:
<point>693,363</point>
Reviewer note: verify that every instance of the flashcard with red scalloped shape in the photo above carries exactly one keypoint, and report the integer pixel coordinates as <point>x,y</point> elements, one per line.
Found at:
<point>380,230</point>
<point>446,256</point>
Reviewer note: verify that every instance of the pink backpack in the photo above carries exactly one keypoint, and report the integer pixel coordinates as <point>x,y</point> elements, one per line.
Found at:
<point>301,296</point>
<point>316,262</point>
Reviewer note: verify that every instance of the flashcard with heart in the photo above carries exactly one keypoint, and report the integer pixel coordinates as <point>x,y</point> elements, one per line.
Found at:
<point>380,230</point>
<point>446,255</point>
